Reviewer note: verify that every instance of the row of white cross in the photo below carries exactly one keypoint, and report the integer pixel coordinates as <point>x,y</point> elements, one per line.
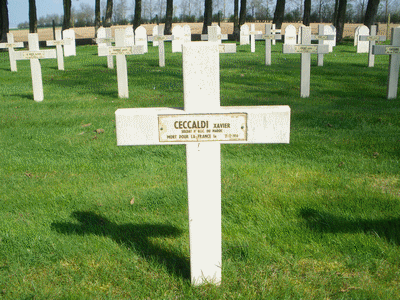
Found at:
<point>121,49</point>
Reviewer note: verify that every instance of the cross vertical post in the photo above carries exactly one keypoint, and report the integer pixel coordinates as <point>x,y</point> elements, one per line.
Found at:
<point>268,37</point>
<point>58,42</point>
<point>11,52</point>
<point>393,51</point>
<point>321,37</point>
<point>372,38</point>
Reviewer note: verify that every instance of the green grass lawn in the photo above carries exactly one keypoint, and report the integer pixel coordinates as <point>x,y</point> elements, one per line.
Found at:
<point>81,218</point>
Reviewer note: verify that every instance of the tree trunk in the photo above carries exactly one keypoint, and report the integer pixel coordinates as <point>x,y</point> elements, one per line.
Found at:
<point>96,17</point>
<point>279,13</point>
<point>340,19</point>
<point>307,12</point>
<point>207,15</point>
<point>137,19</point>
<point>243,12</point>
<point>67,14</point>
<point>109,11</point>
<point>4,24</point>
<point>168,17</point>
<point>370,14</point>
<point>236,28</point>
<point>32,17</point>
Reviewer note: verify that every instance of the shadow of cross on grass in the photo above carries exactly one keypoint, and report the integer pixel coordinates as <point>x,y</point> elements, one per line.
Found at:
<point>326,222</point>
<point>133,236</point>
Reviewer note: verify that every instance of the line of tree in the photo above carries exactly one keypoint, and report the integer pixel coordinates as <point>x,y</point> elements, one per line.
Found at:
<point>366,11</point>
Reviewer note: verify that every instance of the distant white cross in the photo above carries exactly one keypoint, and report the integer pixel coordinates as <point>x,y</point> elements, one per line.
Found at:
<point>214,34</point>
<point>10,45</point>
<point>393,51</point>
<point>268,37</point>
<point>58,42</point>
<point>34,54</point>
<point>105,40</point>
<point>203,125</point>
<point>321,37</point>
<point>253,34</point>
<point>160,38</point>
<point>372,38</point>
<point>306,48</point>
<point>120,50</point>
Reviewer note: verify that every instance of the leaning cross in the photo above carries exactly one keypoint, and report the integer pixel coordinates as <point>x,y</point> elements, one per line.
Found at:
<point>161,38</point>
<point>203,125</point>
<point>34,54</point>
<point>120,50</point>
<point>58,42</point>
<point>268,37</point>
<point>11,52</point>
<point>306,48</point>
<point>393,51</point>
<point>321,37</point>
<point>106,42</point>
<point>372,38</point>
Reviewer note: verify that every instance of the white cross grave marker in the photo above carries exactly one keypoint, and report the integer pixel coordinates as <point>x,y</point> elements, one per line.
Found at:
<point>202,126</point>
<point>34,54</point>
<point>305,49</point>
<point>252,33</point>
<point>58,42</point>
<point>372,38</point>
<point>275,31</point>
<point>393,51</point>
<point>155,33</point>
<point>160,38</point>
<point>11,45</point>
<point>120,50</point>
<point>187,34</point>
<point>129,36</point>
<point>321,38</point>
<point>104,40</point>
<point>177,42</point>
<point>214,35</point>
<point>268,37</point>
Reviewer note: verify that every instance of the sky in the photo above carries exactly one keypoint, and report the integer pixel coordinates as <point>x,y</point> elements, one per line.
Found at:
<point>18,10</point>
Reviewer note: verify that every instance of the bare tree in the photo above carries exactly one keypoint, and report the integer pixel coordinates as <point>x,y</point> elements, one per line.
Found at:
<point>96,16</point>
<point>370,14</point>
<point>67,14</point>
<point>4,24</point>
<point>109,12</point>
<point>340,19</point>
<point>32,16</point>
<point>168,17</point>
<point>279,13</point>
<point>236,28</point>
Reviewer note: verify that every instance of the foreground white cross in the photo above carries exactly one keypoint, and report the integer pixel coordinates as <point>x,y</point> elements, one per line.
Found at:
<point>202,126</point>
<point>11,45</point>
<point>58,42</point>
<point>34,54</point>
<point>120,50</point>
<point>393,51</point>
<point>268,37</point>
<point>306,48</point>
<point>372,38</point>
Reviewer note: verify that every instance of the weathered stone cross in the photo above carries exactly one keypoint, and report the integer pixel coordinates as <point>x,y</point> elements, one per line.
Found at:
<point>11,45</point>
<point>268,37</point>
<point>203,125</point>
<point>120,50</point>
<point>394,61</point>
<point>372,38</point>
<point>306,48</point>
<point>58,42</point>
<point>34,54</point>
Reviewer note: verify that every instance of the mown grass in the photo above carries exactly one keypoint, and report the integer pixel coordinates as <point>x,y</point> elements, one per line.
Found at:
<point>317,218</point>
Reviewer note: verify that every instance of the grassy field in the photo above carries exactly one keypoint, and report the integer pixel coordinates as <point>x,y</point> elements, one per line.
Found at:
<point>81,218</point>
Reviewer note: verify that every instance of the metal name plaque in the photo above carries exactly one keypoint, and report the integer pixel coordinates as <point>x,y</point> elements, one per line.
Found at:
<point>373,38</point>
<point>33,54</point>
<point>202,127</point>
<point>268,36</point>
<point>120,50</point>
<point>392,50</point>
<point>321,37</point>
<point>305,49</point>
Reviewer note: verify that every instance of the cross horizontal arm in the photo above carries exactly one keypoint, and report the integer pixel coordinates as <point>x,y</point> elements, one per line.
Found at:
<point>128,50</point>
<point>42,54</point>
<point>313,49</point>
<point>140,126</point>
<point>11,45</point>
<point>268,37</point>
<point>60,42</point>
<point>385,50</point>
<point>376,38</point>
<point>323,37</point>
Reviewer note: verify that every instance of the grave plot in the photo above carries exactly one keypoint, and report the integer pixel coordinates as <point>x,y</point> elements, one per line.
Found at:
<point>203,126</point>
<point>10,45</point>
